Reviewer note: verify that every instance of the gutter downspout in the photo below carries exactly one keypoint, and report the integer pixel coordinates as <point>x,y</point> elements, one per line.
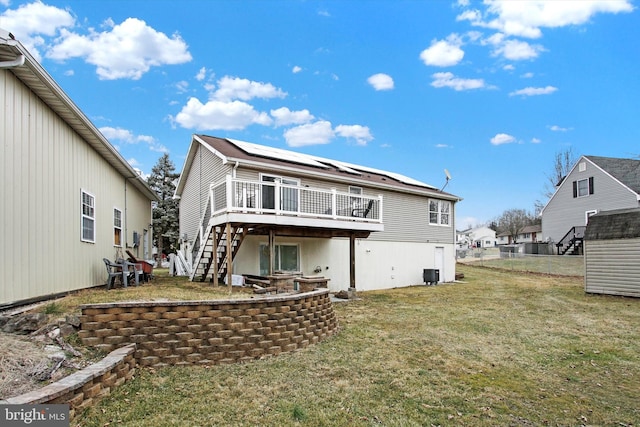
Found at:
<point>19,61</point>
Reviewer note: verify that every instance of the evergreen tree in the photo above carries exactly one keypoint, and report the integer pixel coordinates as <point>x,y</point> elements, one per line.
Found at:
<point>163,181</point>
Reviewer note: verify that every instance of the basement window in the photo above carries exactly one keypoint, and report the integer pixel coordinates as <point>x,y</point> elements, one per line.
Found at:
<point>286,258</point>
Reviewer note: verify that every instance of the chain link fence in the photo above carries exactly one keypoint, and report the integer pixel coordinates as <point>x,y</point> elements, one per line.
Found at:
<point>562,265</point>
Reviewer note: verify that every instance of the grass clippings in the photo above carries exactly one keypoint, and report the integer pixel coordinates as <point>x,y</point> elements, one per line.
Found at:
<point>499,349</point>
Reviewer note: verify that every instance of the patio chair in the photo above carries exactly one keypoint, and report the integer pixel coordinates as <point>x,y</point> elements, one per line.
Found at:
<point>114,271</point>
<point>132,270</point>
<point>362,212</point>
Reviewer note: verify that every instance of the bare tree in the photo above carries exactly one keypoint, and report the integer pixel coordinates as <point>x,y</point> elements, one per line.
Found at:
<point>562,164</point>
<point>513,221</point>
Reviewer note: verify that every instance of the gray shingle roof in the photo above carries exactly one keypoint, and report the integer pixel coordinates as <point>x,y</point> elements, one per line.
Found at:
<point>627,171</point>
<point>616,224</point>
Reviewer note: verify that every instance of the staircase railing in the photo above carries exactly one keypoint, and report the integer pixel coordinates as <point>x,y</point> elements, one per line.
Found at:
<point>200,241</point>
<point>573,237</point>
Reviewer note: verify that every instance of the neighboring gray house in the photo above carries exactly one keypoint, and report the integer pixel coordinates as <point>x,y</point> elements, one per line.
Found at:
<point>528,234</point>
<point>594,184</point>
<point>68,198</point>
<point>279,210</point>
<point>612,253</point>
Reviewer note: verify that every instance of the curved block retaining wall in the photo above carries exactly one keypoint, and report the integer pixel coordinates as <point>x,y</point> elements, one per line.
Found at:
<point>210,332</point>
<point>83,388</point>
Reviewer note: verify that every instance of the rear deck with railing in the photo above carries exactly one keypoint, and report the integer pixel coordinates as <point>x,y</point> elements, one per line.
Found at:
<point>245,206</point>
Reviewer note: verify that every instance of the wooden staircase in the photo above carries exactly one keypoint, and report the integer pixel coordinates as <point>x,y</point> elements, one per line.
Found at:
<point>571,243</point>
<point>219,246</point>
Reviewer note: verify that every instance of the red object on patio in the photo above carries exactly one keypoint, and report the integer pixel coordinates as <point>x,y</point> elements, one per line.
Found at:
<point>147,267</point>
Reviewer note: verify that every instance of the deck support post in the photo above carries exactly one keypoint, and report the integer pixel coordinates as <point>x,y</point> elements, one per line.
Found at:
<point>214,254</point>
<point>229,257</point>
<point>272,252</point>
<point>352,263</point>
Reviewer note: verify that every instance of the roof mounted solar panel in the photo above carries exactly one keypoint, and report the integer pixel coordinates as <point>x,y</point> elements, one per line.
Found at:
<point>276,153</point>
<point>306,159</point>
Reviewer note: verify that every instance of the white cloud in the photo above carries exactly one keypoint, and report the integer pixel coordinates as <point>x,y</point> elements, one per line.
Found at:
<point>557,128</point>
<point>508,67</point>
<point>443,53</point>
<point>456,83</point>
<point>182,86</point>
<point>220,115</point>
<point>381,81</point>
<point>316,133</point>
<point>126,51</point>
<point>442,146</point>
<point>128,137</point>
<point>296,69</point>
<point>527,75</point>
<point>536,140</point>
<point>202,73</point>
<point>516,50</point>
<point>502,138</point>
<point>285,117</point>
<point>29,22</point>
<point>236,88</point>
<point>533,91</point>
<point>361,134</point>
<point>526,18</point>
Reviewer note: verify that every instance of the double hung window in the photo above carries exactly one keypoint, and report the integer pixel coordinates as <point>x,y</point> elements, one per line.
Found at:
<point>88,217</point>
<point>439,212</point>
<point>583,187</point>
<point>117,227</point>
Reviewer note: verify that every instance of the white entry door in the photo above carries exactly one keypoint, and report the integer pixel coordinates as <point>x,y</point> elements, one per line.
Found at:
<point>439,262</point>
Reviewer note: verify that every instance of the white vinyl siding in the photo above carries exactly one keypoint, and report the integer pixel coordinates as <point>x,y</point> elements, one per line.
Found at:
<point>48,165</point>
<point>206,168</point>
<point>564,210</point>
<point>611,267</point>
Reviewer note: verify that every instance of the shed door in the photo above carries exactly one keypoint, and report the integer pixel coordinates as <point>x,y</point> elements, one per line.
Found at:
<point>439,262</point>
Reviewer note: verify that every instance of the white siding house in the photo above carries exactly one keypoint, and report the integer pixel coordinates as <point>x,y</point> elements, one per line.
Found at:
<point>68,198</point>
<point>362,228</point>
<point>479,237</point>
<point>594,184</point>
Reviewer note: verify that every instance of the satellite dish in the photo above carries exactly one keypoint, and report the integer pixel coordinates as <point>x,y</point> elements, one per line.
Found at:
<point>448,176</point>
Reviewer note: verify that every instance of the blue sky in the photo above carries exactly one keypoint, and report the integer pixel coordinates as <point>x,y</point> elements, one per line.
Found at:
<point>489,90</point>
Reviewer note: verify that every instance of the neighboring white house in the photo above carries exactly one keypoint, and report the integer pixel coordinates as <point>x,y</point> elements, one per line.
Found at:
<point>479,237</point>
<point>68,198</point>
<point>279,210</point>
<point>593,185</point>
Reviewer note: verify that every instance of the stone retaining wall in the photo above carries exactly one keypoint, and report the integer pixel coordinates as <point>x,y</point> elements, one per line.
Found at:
<point>210,332</point>
<point>83,388</point>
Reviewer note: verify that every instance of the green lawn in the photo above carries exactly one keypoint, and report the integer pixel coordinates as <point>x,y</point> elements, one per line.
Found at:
<point>499,349</point>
